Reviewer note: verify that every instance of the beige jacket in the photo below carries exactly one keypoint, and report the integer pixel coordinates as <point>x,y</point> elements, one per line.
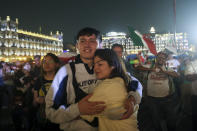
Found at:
<point>113,93</point>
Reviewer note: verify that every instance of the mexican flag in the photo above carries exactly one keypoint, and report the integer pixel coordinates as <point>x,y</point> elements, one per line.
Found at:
<point>142,40</point>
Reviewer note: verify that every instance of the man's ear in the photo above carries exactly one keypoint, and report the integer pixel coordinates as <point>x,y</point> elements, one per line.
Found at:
<point>77,48</point>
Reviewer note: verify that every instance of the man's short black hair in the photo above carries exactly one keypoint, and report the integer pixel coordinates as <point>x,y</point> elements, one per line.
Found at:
<point>117,45</point>
<point>88,31</point>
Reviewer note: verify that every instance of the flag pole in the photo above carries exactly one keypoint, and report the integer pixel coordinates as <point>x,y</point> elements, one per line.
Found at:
<point>174,9</point>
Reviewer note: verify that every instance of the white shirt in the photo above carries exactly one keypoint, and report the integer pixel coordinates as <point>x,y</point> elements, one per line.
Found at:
<point>158,84</point>
<point>191,68</point>
<point>173,64</point>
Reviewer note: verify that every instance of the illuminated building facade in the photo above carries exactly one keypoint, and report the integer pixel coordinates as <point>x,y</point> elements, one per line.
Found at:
<point>17,44</point>
<point>121,38</point>
<point>160,40</point>
<point>163,40</point>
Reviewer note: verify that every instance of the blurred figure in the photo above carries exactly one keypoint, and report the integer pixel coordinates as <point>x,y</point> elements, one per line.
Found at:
<point>119,50</point>
<point>172,62</point>
<point>18,74</point>
<point>1,75</point>
<point>37,61</point>
<point>50,65</point>
<point>185,120</point>
<point>159,108</point>
<point>191,75</point>
<point>18,113</point>
<point>7,75</point>
<point>25,79</point>
<point>6,121</point>
<point>36,67</point>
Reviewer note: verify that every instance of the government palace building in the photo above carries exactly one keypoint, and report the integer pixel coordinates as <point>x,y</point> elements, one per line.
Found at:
<point>17,44</point>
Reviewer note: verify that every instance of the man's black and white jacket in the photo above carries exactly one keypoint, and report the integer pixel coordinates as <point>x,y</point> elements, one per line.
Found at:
<point>61,105</point>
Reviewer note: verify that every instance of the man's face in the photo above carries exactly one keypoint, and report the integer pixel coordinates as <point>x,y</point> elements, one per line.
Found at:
<point>37,61</point>
<point>118,51</point>
<point>161,59</point>
<point>87,46</point>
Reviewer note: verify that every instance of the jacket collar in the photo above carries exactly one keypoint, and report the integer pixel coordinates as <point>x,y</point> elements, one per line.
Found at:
<point>78,61</point>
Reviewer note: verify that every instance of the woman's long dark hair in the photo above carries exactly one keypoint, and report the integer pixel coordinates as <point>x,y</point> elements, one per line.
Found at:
<point>113,60</point>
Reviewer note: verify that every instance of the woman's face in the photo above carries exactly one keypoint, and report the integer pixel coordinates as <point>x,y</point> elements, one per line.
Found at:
<point>49,64</point>
<point>101,68</point>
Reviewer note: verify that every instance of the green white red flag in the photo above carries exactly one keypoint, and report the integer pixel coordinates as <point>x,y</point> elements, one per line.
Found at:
<point>142,40</point>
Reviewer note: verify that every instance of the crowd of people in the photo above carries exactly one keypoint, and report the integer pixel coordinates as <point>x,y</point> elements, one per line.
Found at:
<point>23,89</point>
<point>98,90</point>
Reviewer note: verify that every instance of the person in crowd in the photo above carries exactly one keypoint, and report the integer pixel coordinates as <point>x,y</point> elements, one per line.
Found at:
<point>172,62</point>
<point>50,65</point>
<point>18,74</point>
<point>185,88</point>
<point>29,108</point>
<point>129,67</point>
<point>185,116</point>
<point>36,67</point>
<point>18,113</point>
<point>67,99</point>
<point>191,76</point>
<point>112,89</point>
<point>6,98</point>
<point>159,108</point>
<point>25,79</point>
<point>7,77</point>
<point>119,50</point>
<point>1,75</point>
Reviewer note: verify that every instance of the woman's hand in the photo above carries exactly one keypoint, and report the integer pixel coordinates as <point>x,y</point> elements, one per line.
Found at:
<point>129,106</point>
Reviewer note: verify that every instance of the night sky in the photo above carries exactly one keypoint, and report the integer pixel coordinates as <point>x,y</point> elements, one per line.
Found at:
<point>68,16</point>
